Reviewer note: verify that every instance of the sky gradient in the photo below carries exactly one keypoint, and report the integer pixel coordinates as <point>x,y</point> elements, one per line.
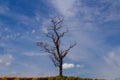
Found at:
<point>93,24</point>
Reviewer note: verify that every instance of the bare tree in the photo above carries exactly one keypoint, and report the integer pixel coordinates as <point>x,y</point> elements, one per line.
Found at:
<point>55,33</point>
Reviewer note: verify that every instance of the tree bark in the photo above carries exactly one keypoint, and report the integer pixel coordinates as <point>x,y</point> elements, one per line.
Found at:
<point>61,68</point>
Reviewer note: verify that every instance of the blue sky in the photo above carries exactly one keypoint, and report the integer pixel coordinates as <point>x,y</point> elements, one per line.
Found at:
<point>93,24</point>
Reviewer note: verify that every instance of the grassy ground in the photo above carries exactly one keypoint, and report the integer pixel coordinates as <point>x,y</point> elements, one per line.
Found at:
<point>48,78</point>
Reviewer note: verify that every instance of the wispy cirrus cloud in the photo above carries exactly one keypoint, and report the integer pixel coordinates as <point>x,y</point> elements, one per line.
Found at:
<point>112,58</point>
<point>90,24</point>
<point>4,9</point>
<point>32,54</point>
<point>66,8</point>
<point>110,69</point>
<point>6,59</point>
<point>86,24</point>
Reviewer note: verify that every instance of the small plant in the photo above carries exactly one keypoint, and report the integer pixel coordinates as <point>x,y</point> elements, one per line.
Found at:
<point>34,79</point>
<point>4,78</point>
<point>16,79</point>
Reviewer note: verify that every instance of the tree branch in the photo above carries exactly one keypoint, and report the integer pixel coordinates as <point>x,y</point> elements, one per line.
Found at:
<point>56,63</point>
<point>46,47</point>
<point>66,51</point>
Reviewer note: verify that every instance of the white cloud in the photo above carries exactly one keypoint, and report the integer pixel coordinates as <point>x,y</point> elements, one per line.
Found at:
<point>68,65</point>
<point>45,25</point>
<point>114,13</point>
<point>9,36</point>
<point>4,9</point>
<point>110,68</point>
<point>8,64</point>
<point>113,58</point>
<point>6,59</point>
<point>79,66</point>
<point>31,54</point>
<point>33,31</point>
<point>113,16</point>
<point>71,65</point>
<point>66,7</point>
<point>6,29</point>
<point>38,16</point>
<point>44,29</point>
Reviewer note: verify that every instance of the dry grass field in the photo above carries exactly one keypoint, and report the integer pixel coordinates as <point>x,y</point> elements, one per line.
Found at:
<point>47,78</point>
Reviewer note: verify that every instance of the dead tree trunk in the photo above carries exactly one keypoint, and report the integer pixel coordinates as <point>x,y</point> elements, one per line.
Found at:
<point>61,68</point>
<point>55,34</point>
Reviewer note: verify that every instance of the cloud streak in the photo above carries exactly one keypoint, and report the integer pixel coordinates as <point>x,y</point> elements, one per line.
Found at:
<point>6,59</point>
<point>90,24</point>
<point>65,7</point>
<point>86,23</point>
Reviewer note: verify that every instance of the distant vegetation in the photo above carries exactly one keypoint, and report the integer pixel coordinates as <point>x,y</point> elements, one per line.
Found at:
<point>48,78</point>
